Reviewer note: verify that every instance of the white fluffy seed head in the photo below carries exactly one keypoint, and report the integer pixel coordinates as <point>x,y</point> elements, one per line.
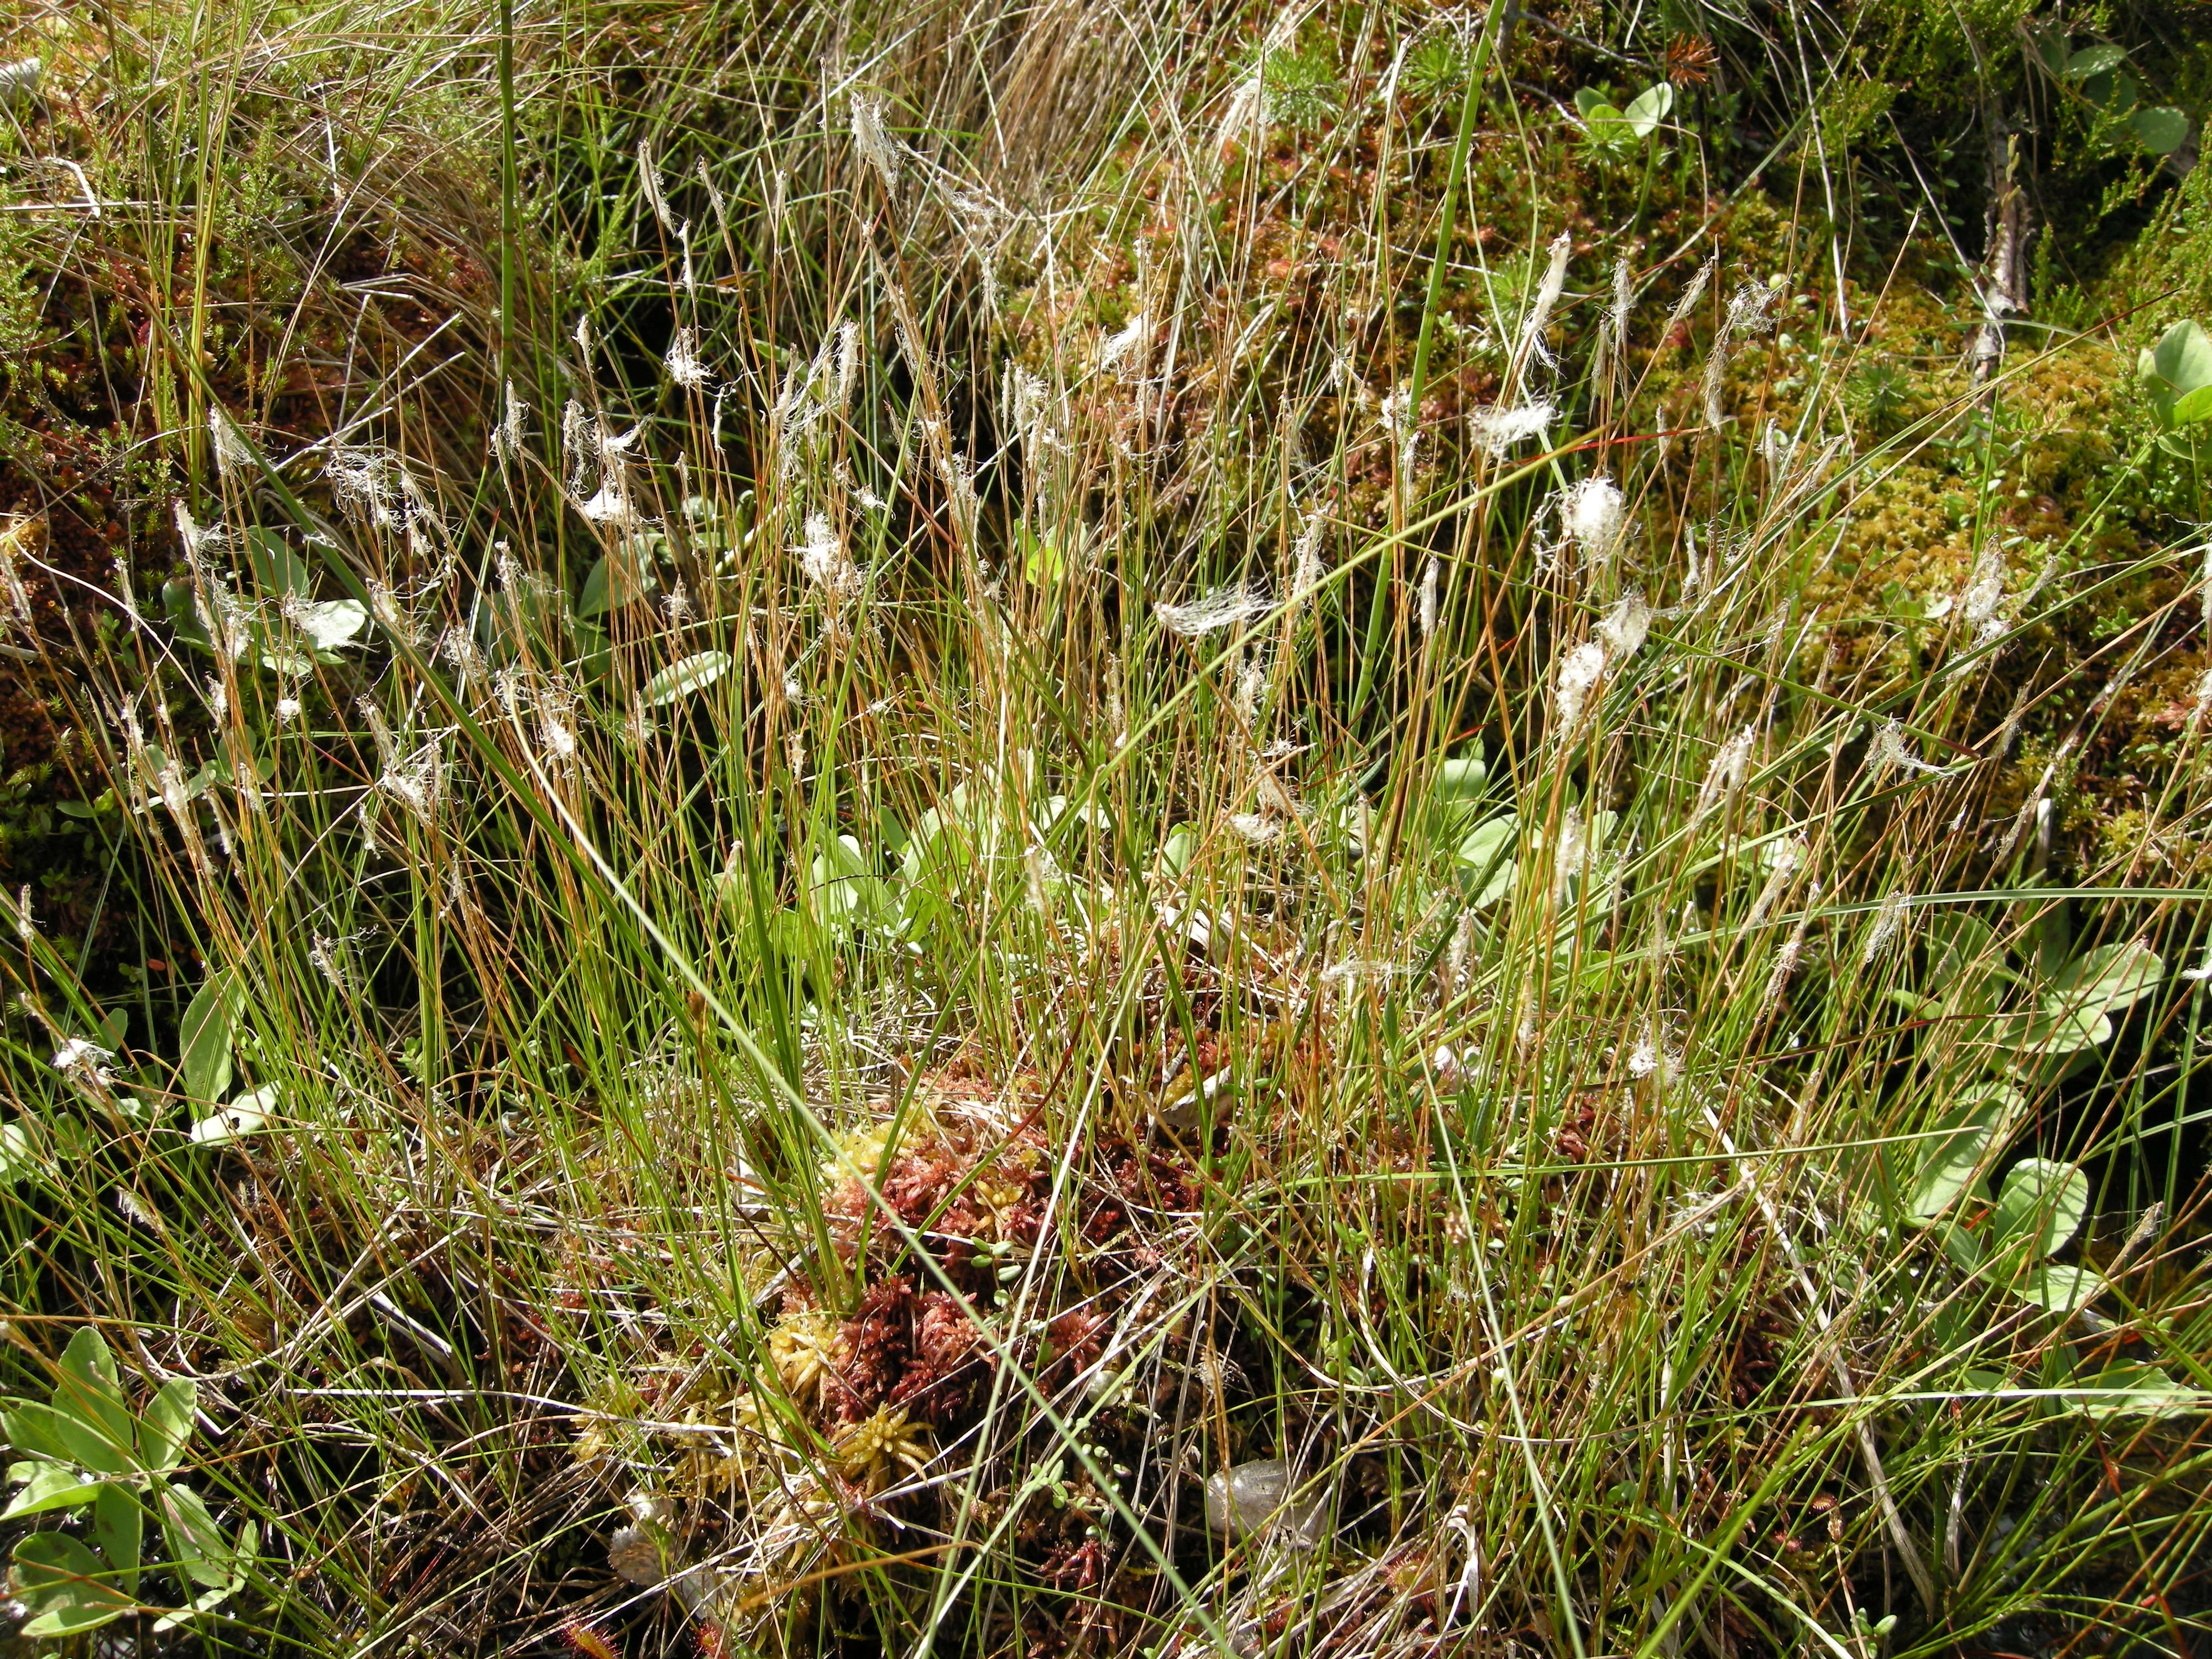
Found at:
<point>1726,773</point>
<point>1222,608</point>
<point>1886,922</point>
<point>876,147</point>
<point>648,179</point>
<point>233,454</point>
<point>1594,513</point>
<point>1548,296</point>
<point>1625,626</point>
<point>1497,429</point>
<point>1579,672</point>
<point>822,556</point>
<point>682,361</point>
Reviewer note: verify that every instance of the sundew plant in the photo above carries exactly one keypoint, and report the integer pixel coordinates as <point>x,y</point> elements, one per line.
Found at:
<point>1096,828</point>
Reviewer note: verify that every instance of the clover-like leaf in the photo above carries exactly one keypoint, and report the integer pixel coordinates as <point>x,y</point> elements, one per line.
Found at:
<point>2094,60</point>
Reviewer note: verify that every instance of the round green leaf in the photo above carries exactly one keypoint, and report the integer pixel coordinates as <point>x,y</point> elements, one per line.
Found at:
<point>2061,1290</point>
<point>333,623</point>
<point>1951,1158</point>
<point>2193,407</point>
<point>618,580</point>
<point>18,1154</point>
<point>168,1424</point>
<point>844,892</point>
<point>118,1527</point>
<point>48,1486</point>
<point>89,1409</point>
<point>276,567</point>
<point>196,1544</point>
<point>2108,980</point>
<point>2160,129</point>
<point>1180,847</point>
<point>2094,60</point>
<point>2130,1389</point>
<point>65,1586</point>
<point>2179,364</point>
<point>1651,108</point>
<point>1488,860</point>
<point>2042,1205</point>
<point>210,1024</point>
<point>1464,777</point>
<point>247,1115</point>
